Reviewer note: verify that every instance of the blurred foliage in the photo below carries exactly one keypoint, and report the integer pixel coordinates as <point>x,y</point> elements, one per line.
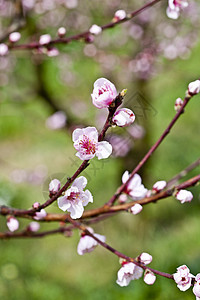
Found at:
<point>32,154</point>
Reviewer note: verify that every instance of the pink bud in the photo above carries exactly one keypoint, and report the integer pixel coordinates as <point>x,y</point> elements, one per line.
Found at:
<point>40,215</point>
<point>104,93</point>
<point>44,39</point>
<point>12,224</point>
<point>14,37</point>
<point>119,15</point>
<point>159,185</point>
<point>184,196</point>
<point>61,32</point>
<point>36,205</point>
<point>34,226</point>
<point>149,277</point>
<point>95,29</point>
<point>54,186</point>
<point>52,52</point>
<point>145,258</point>
<point>178,104</point>
<point>136,209</point>
<point>194,87</point>
<point>3,49</point>
<point>123,198</point>
<point>123,117</point>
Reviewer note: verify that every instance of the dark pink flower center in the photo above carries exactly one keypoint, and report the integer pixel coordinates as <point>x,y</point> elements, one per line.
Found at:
<point>88,145</point>
<point>73,196</point>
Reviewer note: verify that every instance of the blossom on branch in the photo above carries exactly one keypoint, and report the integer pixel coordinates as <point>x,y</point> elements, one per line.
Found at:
<point>54,186</point>
<point>196,288</point>
<point>87,243</point>
<point>159,186</point>
<point>194,87</point>
<point>14,37</point>
<point>119,15</point>
<point>178,104</point>
<point>136,209</point>
<point>75,198</point>
<point>184,196</point>
<point>3,49</point>
<point>61,32</point>
<point>86,143</point>
<point>149,277</point>
<point>145,258</point>
<point>183,278</point>
<point>174,7</point>
<point>123,117</point>
<point>104,93</point>
<point>134,188</point>
<point>95,29</point>
<point>12,224</point>
<point>129,271</point>
<point>39,215</point>
<point>45,39</point>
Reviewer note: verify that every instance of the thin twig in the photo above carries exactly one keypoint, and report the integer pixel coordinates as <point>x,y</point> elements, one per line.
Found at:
<point>150,152</point>
<point>86,34</point>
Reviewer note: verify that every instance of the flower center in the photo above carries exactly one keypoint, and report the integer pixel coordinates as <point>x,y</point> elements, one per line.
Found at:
<point>88,145</point>
<point>73,196</point>
<point>102,90</point>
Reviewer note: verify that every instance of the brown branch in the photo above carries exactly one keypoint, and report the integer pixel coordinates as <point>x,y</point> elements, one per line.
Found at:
<point>105,210</point>
<point>86,34</point>
<point>150,152</point>
<point>183,173</point>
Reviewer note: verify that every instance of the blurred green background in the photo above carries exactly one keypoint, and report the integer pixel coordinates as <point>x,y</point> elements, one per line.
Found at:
<point>33,87</point>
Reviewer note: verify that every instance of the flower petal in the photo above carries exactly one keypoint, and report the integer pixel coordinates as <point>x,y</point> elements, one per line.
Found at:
<point>63,203</point>
<point>104,149</point>
<point>80,183</point>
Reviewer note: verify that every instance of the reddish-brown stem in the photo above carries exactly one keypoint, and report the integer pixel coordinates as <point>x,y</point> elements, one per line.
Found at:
<point>106,210</point>
<point>149,153</point>
<point>84,35</point>
<point>183,173</point>
<point>117,253</point>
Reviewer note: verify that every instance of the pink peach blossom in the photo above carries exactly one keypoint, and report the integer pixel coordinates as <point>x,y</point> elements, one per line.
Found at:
<point>86,143</point>
<point>104,93</point>
<point>183,278</point>
<point>75,198</point>
<point>123,117</point>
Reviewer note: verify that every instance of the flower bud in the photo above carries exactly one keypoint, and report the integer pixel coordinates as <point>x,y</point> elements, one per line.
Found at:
<point>136,209</point>
<point>61,32</point>
<point>123,198</point>
<point>123,117</point>
<point>52,52</point>
<point>34,226</point>
<point>119,15</point>
<point>44,39</point>
<point>95,29</point>
<point>184,196</point>
<point>14,37</point>
<point>149,277</point>
<point>178,104</point>
<point>36,205</point>
<point>145,258</point>
<point>194,87</point>
<point>39,215</point>
<point>159,185</point>
<point>3,49</point>
<point>104,93</point>
<point>54,186</point>
<point>12,224</point>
